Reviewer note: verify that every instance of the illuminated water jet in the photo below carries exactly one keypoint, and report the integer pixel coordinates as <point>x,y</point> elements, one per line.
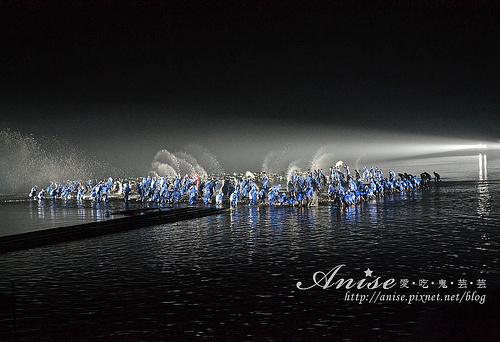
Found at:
<point>166,163</point>
<point>293,167</point>
<point>275,161</point>
<point>205,158</point>
<point>26,160</point>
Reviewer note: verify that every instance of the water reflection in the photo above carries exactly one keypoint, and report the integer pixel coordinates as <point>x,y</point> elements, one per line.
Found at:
<point>63,212</point>
<point>305,216</point>
<point>483,207</point>
<point>233,216</point>
<point>81,210</point>
<point>253,215</point>
<point>351,213</point>
<point>334,215</point>
<point>41,209</point>
<point>483,167</point>
<point>240,268</point>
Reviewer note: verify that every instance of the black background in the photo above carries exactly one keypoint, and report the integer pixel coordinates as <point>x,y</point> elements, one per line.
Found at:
<point>137,76</point>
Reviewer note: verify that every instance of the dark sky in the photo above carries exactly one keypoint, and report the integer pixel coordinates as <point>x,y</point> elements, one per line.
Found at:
<point>129,78</point>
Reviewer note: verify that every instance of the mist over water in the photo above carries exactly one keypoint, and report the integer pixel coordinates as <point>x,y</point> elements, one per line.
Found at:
<point>26,161</point>
<point>359,148</point>
<point>276,161</point>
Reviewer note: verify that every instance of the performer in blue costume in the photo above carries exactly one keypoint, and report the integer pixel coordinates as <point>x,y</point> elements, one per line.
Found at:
<point>262,195</point>
<point>192,195</point>
<point>309,195</point>
<point>437,177</point>
<point>177,183</point>
<point>105,192</point>
<point>331,191</point>
<point>272,195</point>
<point>207,193</point>
<point>244,190</point>
<point>66,193</point>
<point>32,193</point>
<point>41,194</point>
<point>175,196</point>
<point>282,199</point>
<point>252,195</point>
<point>392,176</point>
<point>126,191</point>
<point>79,195</point>
<point>265,180</point>
<point>53,193</point>
<point>300,198</point>
<point>219,197</point>
<point>233,199</point>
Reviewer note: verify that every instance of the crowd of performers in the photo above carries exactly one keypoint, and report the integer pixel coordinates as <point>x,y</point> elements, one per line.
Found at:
<point>339,186</point>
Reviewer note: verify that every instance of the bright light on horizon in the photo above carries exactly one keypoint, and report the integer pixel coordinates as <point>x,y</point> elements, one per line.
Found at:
<point>469,147</point>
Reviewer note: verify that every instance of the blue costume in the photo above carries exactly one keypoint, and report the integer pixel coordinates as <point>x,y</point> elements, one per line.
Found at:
<point>32,193</point>
<point>105,192</point>
<point>309,194</point>
<point>79,195</point>
<point>265,180</point>
<point>262,195</point>
<point>126,191</point>
<point>300,197</point>
<point>192,195</point>
<point>234,198</point>
<point>66,193</point>
<point>218,198</point>
<point>175,196</point>
<point>392,175</point>
<point>331,191</point>
<point>271,196</point>
<point>282,199</point>
<point>53,193</point>
<point>252,195</point>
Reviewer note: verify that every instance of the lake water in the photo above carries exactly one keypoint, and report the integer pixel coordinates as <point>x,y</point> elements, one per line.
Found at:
<point>233,276</point>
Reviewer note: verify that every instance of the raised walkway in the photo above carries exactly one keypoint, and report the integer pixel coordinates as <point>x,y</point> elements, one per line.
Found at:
<point>134,220</point>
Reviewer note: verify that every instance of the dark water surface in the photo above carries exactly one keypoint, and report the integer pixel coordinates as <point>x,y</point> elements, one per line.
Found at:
<point>19,214</point>
<point>234,276</point>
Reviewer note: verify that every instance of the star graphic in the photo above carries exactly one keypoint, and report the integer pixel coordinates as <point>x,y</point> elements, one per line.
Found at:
<point>368,272</point>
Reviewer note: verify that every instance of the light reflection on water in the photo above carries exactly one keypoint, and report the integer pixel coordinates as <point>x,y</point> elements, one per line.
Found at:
<point>484,205</point>
<point>233,275</point>
<point>20,215</point>
<point>483,167</point>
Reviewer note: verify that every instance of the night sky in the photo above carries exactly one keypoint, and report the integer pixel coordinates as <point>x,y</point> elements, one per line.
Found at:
<point>124,79</point>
